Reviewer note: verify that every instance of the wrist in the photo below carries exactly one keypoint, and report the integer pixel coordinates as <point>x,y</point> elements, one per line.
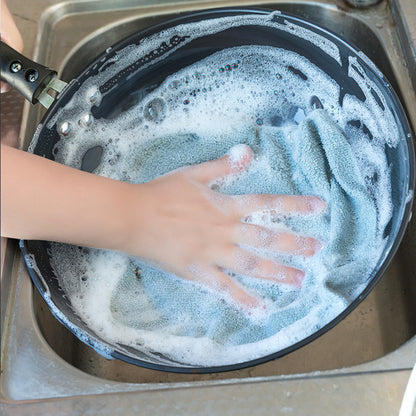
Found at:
<point>131,218</point>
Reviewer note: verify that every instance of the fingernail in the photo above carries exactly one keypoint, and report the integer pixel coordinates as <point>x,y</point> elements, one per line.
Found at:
<point>299,276</point>
<point>240,156</point>
<point>317,246</point>
<point>318,205</point>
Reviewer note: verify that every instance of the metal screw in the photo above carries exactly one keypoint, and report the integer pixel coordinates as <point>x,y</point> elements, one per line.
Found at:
<point>16,67</point>
<point>32,75</point>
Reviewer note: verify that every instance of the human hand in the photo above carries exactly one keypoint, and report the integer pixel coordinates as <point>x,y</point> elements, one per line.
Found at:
<point>182,225</point>
<point>9,34</point>
<point>176,221</point>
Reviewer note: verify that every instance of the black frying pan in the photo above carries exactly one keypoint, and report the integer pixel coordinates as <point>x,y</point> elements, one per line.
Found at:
<point>151,69</point>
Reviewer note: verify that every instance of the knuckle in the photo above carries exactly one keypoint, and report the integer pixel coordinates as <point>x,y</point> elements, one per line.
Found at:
<point>266,237</point>
<point>250,263</point>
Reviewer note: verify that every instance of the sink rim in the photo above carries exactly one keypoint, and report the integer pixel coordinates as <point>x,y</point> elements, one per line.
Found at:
<point>94,341</point>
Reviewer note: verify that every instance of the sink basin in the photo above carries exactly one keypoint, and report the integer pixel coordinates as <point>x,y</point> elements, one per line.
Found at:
<point>380,325</point>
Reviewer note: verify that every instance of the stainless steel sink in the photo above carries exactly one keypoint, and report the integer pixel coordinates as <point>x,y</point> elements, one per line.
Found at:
<point>50,362</point>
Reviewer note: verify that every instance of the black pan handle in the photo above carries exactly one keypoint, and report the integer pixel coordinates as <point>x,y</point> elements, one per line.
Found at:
<point>21,73</point>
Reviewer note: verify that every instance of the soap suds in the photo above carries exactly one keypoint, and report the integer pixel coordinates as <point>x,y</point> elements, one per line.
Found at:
<point>218,105</point>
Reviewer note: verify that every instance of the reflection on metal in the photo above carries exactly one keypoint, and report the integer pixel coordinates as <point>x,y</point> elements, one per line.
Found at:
<point>56,85</point>
<point>86,120</point>
<point>362,3</point>
<point>65,128</point>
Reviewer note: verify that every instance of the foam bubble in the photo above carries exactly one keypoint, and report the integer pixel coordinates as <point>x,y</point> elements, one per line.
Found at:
<point>197,114</point>
<point>237,155</point>
<point>409,196</point>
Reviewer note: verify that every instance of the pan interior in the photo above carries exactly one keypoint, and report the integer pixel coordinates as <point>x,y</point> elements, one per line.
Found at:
<point>170,83</point>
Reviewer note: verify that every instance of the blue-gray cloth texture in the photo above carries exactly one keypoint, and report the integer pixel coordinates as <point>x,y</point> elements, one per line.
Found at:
<point>312,158</point>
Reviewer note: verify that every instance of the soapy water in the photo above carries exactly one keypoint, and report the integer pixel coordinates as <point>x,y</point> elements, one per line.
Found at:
<point>198,114</point>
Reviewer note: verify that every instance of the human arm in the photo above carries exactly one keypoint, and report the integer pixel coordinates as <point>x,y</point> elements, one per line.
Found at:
<point>176,221</point>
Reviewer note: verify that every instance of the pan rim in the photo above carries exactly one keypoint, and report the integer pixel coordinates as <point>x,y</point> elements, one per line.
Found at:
<point>372,281</point>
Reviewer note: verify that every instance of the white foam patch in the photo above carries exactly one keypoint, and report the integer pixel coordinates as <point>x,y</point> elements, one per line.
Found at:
<point>409,196</point>
<point>231,92</point>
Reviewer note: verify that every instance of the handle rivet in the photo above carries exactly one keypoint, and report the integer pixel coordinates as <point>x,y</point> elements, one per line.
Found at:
<point>65,128</point>
<point>16,67</point>
<point>86,120</point>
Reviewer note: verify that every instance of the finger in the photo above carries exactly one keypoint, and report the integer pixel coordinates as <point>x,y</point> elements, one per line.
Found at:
<point>277,204</point>
<point>262,237</point>
<point>9,32</point>
<point>234,162</point>
<point>243,262</point>
<point>223,284</point>
<point>4,87</point>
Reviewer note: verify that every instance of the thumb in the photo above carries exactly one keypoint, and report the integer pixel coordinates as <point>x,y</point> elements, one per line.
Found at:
<point>236,161</point>
<point>8,29</point>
